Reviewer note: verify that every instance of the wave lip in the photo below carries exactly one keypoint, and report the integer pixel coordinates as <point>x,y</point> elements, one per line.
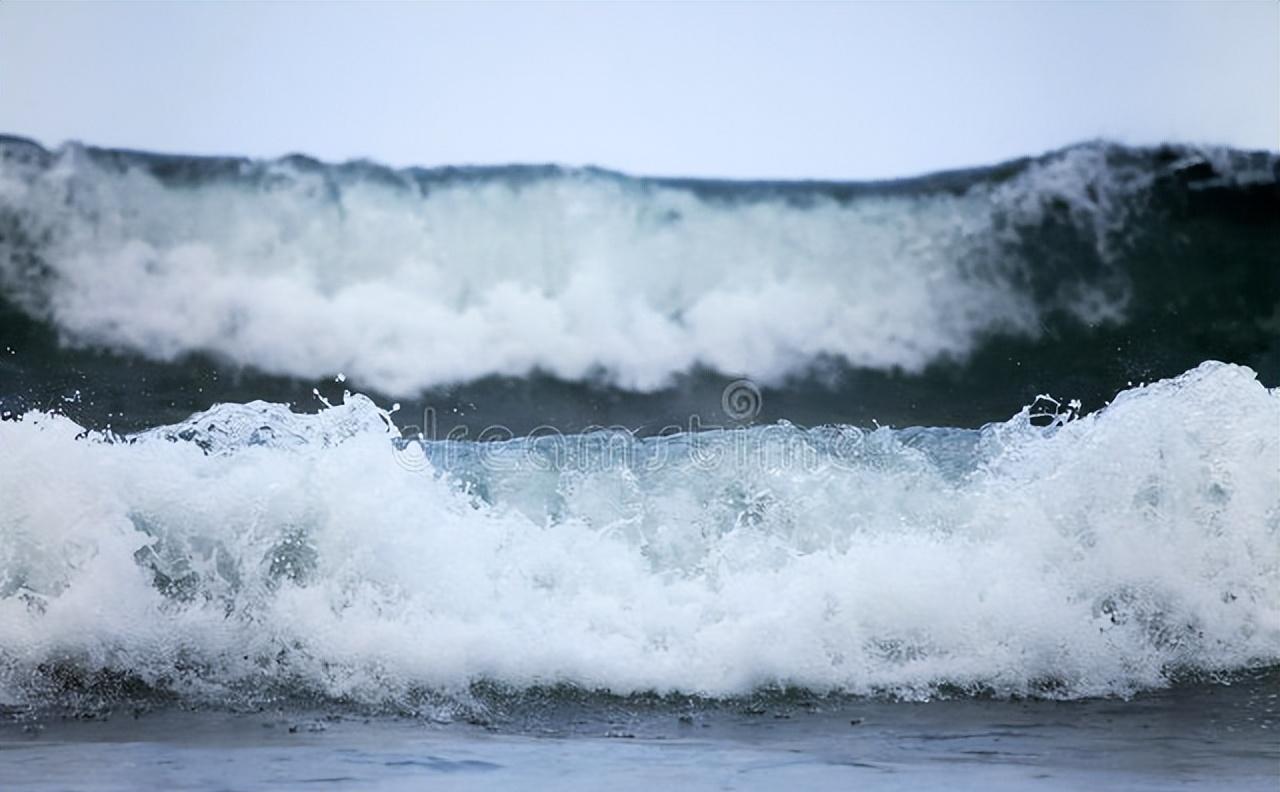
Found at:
<point>408,279</point>
<point>251,551</point>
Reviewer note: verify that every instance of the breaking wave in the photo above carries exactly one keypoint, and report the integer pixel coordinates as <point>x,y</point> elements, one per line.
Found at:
<point>252,551</point>
<point>409,279</point>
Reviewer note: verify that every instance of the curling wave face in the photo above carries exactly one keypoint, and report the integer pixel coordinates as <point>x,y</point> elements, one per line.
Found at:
<point>407,279</point>
<point>252,551</point>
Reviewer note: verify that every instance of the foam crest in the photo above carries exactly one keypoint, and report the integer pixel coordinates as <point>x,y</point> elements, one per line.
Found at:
<point>1095,556</point>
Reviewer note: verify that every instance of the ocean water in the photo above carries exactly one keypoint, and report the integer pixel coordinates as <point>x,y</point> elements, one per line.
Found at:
<point>1198,737</point>
<point>521,477</point>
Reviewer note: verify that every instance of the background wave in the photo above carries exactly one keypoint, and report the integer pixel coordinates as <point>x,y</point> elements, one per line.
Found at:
<point>431,281</point>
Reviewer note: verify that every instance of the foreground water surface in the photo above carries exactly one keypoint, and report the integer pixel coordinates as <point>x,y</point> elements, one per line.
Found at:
<point>1200,736</point>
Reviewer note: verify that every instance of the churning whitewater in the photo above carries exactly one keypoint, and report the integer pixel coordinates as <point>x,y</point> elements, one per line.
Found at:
<point>252,551</point>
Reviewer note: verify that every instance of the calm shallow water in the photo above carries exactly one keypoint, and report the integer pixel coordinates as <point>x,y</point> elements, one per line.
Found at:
<point>1199,737</point>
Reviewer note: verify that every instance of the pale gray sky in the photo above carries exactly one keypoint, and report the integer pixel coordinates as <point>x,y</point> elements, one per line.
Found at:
<point>744,90</point>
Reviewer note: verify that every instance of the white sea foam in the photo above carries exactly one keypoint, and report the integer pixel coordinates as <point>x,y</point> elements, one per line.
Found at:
<point>271,549</point>
<point>404,284</point>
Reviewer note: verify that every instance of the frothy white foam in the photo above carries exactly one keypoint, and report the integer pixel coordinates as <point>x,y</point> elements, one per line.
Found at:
<point>1096,557</point>
<point>305,271</point>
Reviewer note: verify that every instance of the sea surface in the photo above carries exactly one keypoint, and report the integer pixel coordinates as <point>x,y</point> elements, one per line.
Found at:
<point>337,475</point>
